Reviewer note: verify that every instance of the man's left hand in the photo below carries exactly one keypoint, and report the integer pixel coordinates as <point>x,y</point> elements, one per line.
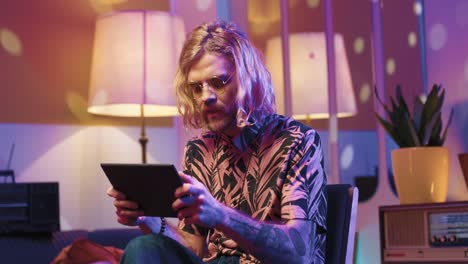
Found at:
<point>195,204</point>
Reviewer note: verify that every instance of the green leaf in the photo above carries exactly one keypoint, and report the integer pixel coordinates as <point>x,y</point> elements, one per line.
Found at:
<point>401,100</point>
<point>435,135</point>
<point>389,129</point>
<point>423,127</point>
<point>432,106</point>
<point>417,112</point>
<point>429,128</point>
<point>444,134</point>
<point>408,131</point>
<point>412,136</point>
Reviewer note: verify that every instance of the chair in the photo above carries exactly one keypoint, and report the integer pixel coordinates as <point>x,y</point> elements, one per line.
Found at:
<point>341,223</point>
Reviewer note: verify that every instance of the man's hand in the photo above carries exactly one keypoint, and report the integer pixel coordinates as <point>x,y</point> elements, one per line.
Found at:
<point>127,211</point>
<point>195,204</point>
<point>270,242</point>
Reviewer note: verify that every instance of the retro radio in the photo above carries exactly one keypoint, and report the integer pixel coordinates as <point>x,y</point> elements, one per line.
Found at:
<point>29,208</point>
<point>424,233</point>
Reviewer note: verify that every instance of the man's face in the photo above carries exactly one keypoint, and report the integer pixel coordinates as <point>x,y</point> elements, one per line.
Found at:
<point>214,88</point>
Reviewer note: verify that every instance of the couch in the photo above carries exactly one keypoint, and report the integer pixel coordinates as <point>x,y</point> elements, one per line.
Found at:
<point>42,248</point>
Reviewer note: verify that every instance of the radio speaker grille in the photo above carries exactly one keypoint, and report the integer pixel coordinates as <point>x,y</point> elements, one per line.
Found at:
<point>410,230</point>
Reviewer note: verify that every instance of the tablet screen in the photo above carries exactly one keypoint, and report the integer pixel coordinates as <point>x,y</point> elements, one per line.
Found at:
<point>152,186</point>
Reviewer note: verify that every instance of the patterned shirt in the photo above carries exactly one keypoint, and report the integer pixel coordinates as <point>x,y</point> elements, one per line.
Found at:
<point>273,171</point>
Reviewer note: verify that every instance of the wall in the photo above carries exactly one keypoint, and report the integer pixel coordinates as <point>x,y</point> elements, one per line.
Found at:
<point>447,59</point>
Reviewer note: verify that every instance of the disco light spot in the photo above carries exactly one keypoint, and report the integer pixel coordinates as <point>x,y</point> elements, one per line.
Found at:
<point>346,158</point>
<point>364,93</point>
<point>313,3</point>
<point>390,66</point>
<point>203,5</point>
<point>412,39</point>
<point>359,45</point>
<point>437,36</point>
<point>10,42</point>
<point>417,8</point>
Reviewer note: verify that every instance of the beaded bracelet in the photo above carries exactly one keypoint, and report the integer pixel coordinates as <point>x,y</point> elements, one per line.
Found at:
<point>163,225</point>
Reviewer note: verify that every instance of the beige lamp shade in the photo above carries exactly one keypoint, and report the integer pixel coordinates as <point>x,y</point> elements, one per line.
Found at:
<point>134,62</point>
<point>309,83</point>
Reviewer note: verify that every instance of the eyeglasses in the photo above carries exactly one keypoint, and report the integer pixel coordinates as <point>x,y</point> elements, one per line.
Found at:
<point>216,83</point>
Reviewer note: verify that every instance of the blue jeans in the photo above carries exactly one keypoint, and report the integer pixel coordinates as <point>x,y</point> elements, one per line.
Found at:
<point>155,248</point>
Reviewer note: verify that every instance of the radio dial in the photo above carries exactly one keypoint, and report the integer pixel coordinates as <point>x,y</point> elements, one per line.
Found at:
<point>453,238</point>
<point>443,239</point>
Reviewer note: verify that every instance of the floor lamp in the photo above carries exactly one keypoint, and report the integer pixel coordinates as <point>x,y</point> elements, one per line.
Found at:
<point>134,61</point>
<point>309,75</point>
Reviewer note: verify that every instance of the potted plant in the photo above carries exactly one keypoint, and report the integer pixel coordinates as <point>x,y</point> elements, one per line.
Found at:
<point>420,165</point>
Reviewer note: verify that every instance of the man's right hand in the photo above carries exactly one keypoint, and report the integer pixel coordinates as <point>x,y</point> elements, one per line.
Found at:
<point>127,211</point>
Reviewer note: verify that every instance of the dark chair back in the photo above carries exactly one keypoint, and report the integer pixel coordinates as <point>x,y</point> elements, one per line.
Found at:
<point>341,223</point>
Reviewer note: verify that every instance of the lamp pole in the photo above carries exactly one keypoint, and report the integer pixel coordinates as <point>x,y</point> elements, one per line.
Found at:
<point>143,139</point>
<point>286,62</point>
<point>332,107</point>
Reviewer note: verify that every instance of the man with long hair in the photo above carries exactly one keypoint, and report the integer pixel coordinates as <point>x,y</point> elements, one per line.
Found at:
<point>254,180</point>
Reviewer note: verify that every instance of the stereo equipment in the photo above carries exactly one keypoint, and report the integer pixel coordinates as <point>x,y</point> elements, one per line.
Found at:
<point>424,233</point>
<point>29,208</point>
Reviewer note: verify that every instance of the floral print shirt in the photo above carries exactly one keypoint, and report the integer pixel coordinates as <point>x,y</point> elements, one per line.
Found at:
<point>273,171</point>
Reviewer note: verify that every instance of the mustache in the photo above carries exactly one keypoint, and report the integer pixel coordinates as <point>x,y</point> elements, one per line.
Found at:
<point>212,109</point>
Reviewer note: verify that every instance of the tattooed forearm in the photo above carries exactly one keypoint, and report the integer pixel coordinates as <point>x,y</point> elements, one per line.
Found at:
<point>312,235</point>
<point>297,241</point>
<point>272,238</point>
<point>270,243</point>
<point>237,224</point>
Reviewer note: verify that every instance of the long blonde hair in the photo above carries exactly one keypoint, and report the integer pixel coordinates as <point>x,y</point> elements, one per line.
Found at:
<point>255,97</point>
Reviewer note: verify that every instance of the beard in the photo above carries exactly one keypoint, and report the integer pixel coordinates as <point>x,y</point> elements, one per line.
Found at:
<point>219,120</point>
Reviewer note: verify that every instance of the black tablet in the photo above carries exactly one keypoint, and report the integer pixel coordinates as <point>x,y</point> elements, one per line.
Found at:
<point>152,186</point>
